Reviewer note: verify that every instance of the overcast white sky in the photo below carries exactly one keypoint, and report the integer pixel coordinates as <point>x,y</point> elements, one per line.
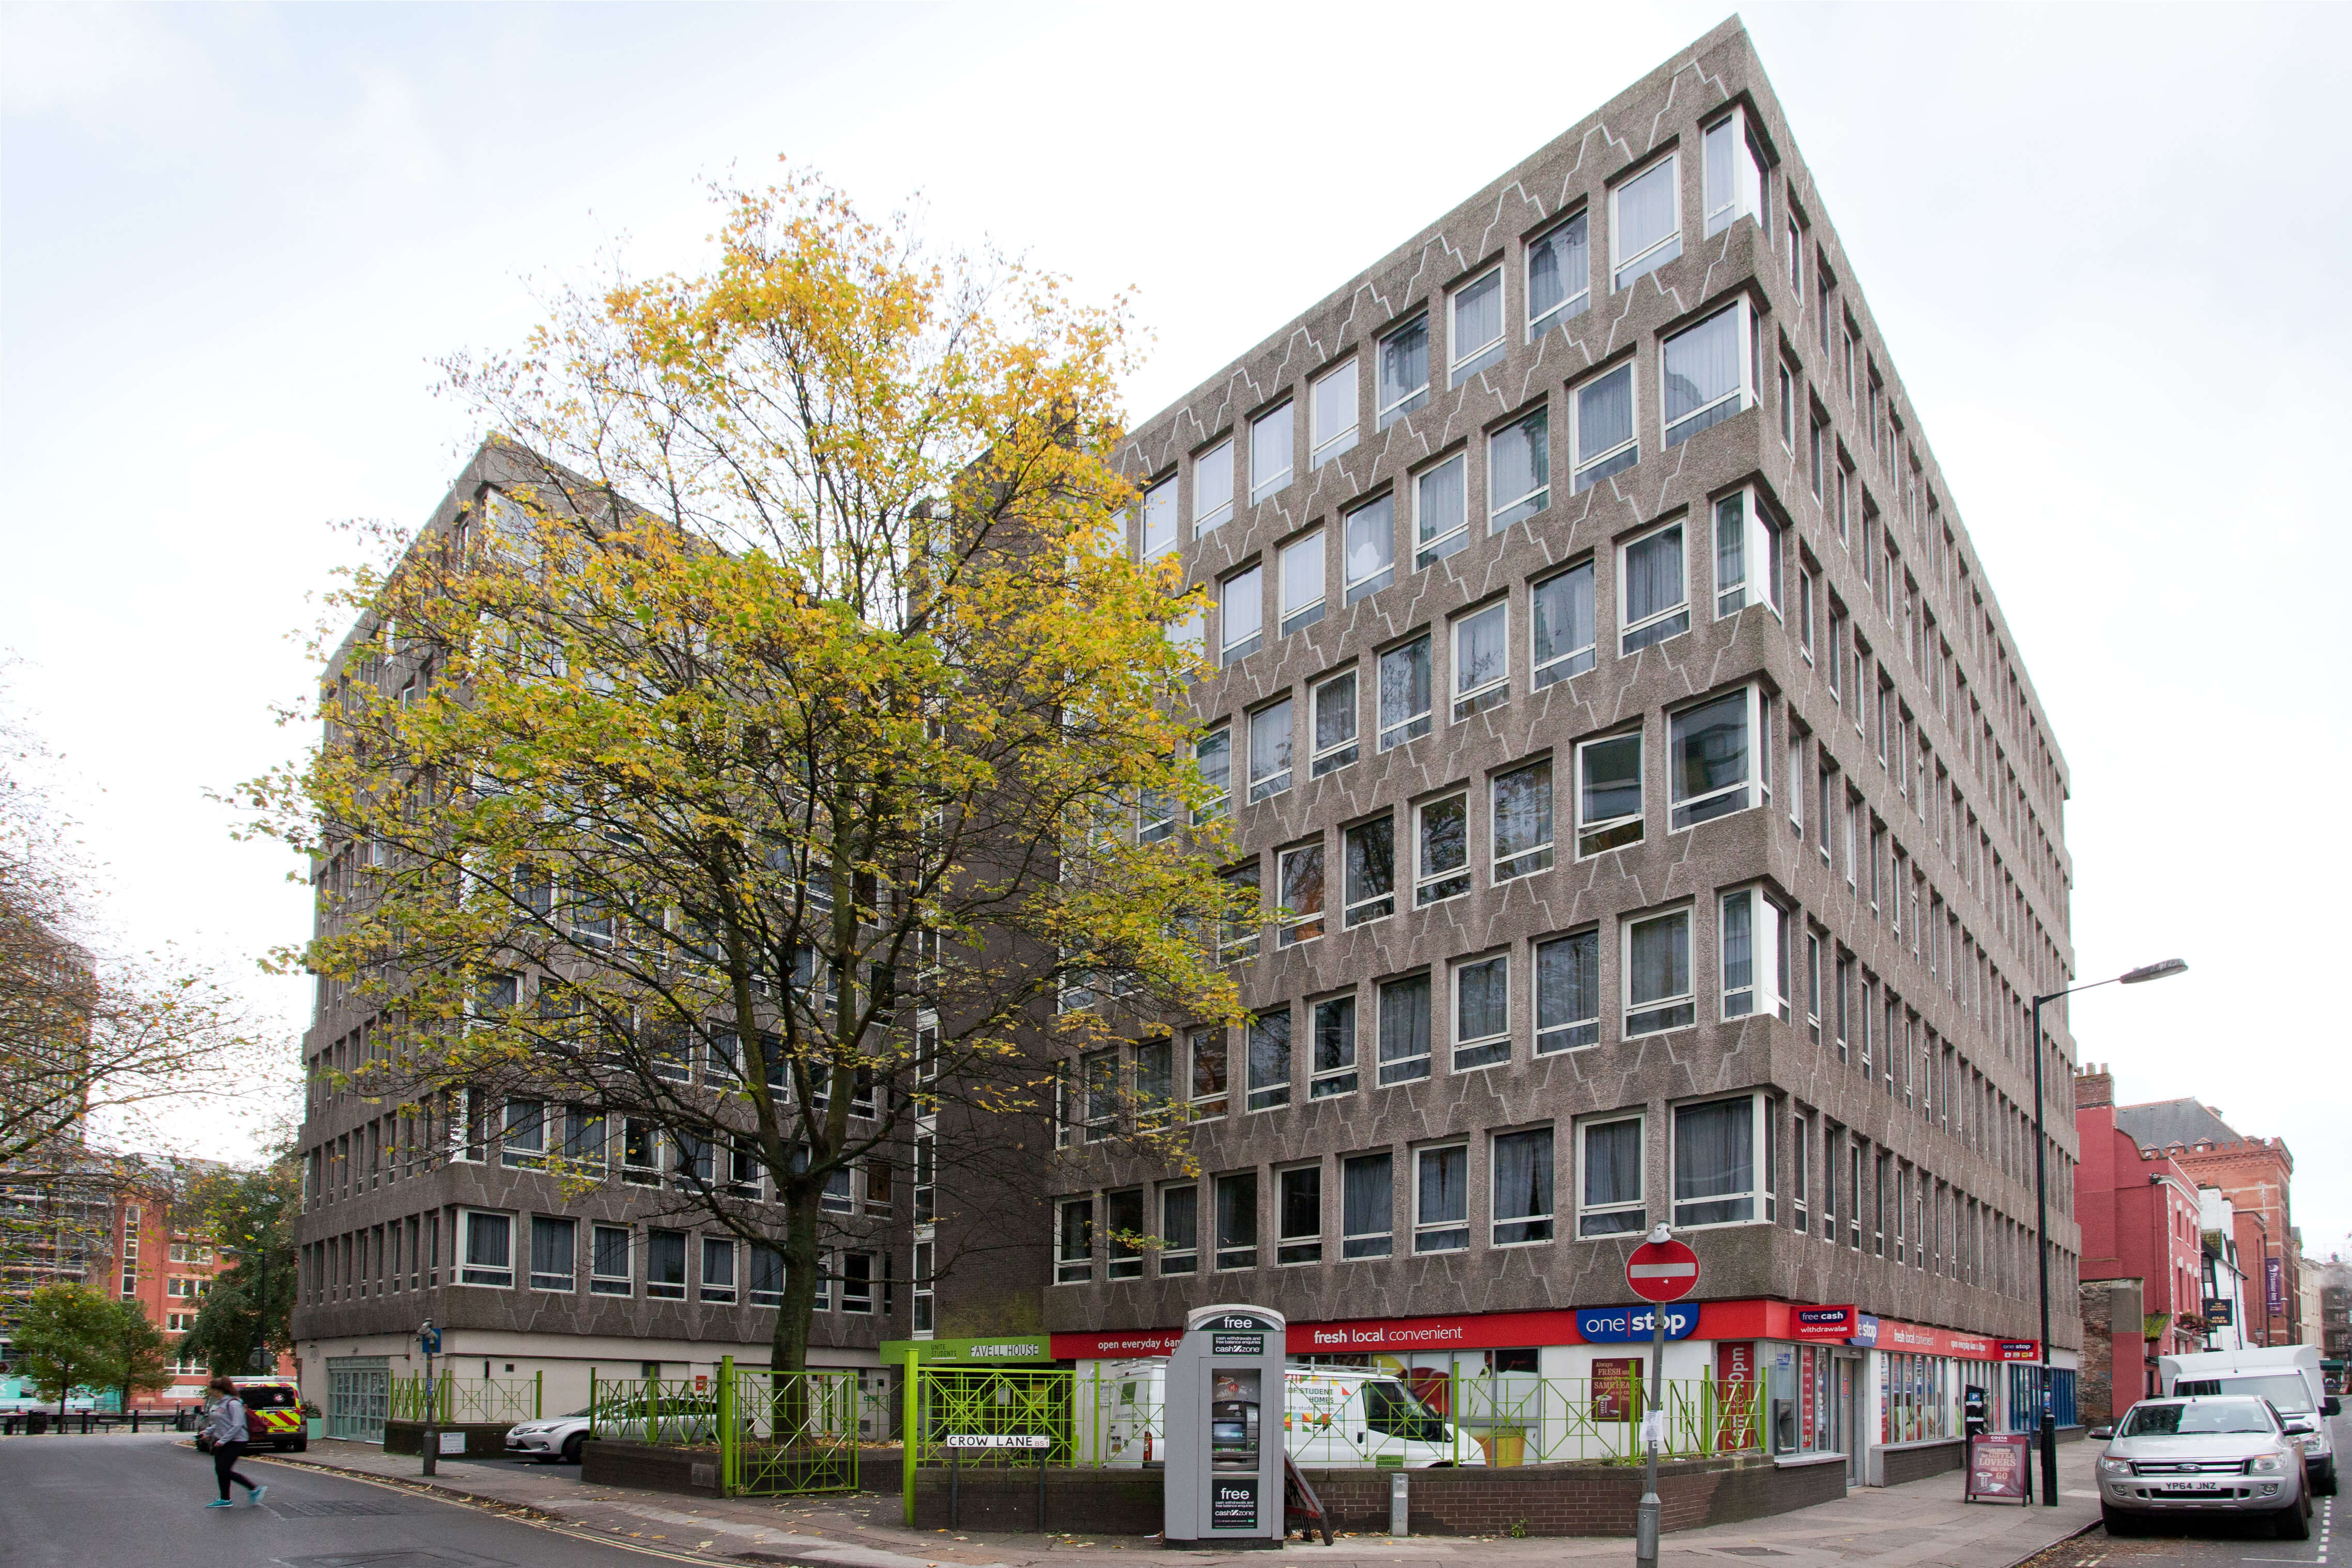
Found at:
<point>2098,238</point>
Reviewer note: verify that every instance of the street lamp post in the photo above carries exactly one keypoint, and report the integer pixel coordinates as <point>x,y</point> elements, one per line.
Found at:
<point>2049,1424</point>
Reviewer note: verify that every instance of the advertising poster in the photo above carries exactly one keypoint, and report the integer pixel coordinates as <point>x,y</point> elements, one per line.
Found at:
<point>1612,1387</point>
<point>1999,1467</point>
<point>1735,1395</point>
<point>2274,1281</point>
<point>1805,1398</point>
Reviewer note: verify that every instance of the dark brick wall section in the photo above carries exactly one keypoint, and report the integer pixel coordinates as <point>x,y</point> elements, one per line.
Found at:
<point>1918,1462</point>
<point>483,1440</point>
<point>693,1472</point>
<point>1535,1500</point>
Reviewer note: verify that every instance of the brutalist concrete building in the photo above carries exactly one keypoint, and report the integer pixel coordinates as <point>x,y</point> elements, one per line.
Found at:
<point>1651,818</point>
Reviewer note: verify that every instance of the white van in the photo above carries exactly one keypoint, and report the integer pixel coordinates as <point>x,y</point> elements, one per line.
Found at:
<point>1332,1418</point>
<point>2286,1375</point>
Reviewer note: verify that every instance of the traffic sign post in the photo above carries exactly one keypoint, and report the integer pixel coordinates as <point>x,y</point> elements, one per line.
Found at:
<point>428,1340</point>
<point>1661,1269</point>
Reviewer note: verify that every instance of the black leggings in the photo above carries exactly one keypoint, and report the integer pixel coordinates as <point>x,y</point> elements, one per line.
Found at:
<point>224,1458</point>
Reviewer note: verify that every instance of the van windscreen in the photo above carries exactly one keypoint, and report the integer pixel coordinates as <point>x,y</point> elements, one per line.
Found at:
<point>2286,1390</point>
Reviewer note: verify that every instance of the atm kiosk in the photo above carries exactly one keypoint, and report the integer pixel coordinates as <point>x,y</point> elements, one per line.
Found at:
<point>1225,1397</point>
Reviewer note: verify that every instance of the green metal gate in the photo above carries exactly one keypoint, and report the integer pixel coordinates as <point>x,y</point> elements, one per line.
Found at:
<point>782,1434</point>
<point>953,1411</point>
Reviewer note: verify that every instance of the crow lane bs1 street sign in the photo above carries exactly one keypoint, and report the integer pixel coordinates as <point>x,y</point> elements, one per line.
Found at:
<point>1662,1271</point>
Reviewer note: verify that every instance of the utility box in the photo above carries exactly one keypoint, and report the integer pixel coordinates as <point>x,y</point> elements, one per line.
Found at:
<point>1225,1402</point>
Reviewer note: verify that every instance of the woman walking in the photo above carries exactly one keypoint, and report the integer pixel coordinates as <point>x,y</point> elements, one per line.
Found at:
<point>225,1427</point>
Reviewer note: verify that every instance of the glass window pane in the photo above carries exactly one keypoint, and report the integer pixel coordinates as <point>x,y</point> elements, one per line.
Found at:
<point>1404,1029</point>
<point>1302,894</point>
<point>1441,867</point>
<point>1560,275</point>
<point>1242,613</point>
<point>1302,582</point>
<point>1371,548</point>
<point>1658,975</point>
<point>1371,879</point>
<point>1269,452</point>
<point>1561,610</point>
<point>1708,758</point>
<point>1481,651</point>
<point>1333,411</point>
<point>1477,341</point>
<point>1604,427</point>
<point>1441,1200</point>
<point>1212,487</point>
<point>1159,519</point>
<point>1335,723</point>
<point>1522,1184</point>
<point>1645,233</point>
<point>1611,1199</point>
<point>1482,1013</point>
<point>1522,820</point>
<point>1441,510</point>
<point>1567,992</point>
<point>1403,371</point>
<point>1368,1202</point>
<point>1269,730</point>
<point>1334,1048</point>
<point>1518,471</point>
<point>1700,372</point>
<point>1609,794</point>
<point>1404,692</point>
<point>1715,1173</point>
<point>1269,1059</point>
<point>1654,575</point>
<point>1738,937</point>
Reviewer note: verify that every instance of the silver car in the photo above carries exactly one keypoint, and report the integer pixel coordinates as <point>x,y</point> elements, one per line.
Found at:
<point>2227,1457</point>
<point>558,1437</point>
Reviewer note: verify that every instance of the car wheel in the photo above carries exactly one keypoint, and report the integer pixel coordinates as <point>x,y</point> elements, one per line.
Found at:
<point>2324,1483</point>
<point>572,1445</point>
<point>299,1446</point>
<point>2294,1524</point>
<point>2117,1521</point>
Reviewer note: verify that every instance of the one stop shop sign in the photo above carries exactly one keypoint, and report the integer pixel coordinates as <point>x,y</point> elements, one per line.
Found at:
<point>1662,1271</point>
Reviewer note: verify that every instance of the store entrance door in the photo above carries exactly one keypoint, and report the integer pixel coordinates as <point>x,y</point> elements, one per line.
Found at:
<point>1849,1418</point>
<point>359,1395</point>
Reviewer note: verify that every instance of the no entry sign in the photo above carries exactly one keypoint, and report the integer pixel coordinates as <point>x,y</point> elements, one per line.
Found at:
<point>1662,1271</point>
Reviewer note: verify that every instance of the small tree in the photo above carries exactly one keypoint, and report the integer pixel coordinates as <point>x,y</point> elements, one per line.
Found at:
<point>135,1351</point>
<point>249,1314</point>
<point>63,1338</point>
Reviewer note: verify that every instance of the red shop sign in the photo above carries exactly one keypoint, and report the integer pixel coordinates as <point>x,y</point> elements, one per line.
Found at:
<point>2021,1350</point>
<point>1836,1323</point>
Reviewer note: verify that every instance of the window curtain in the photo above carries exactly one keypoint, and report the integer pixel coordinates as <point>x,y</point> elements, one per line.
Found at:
<point>1523,1186</point>
<point>1654,575</point>
<point>1613,1163</point>
<point>1367,1194</point>
<point>1702,365</point>
<point>1714,1156</point>
<point>1404,1019</point>
<point>1604,414</point>
<point>1441,500</point>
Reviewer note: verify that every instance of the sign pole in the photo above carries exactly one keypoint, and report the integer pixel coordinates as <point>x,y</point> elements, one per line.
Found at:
<point>428,1340</point>
<point>1660,1270</point>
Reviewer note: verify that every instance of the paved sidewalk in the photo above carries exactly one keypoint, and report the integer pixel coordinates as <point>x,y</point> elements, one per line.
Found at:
<point>1922,1525</point>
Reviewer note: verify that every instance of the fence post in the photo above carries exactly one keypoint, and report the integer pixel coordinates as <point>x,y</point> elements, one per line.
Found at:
<point>910,1435</point>
<point>730,1445</point>
<point>591,1399</point>
<point>538,1394</point>
<point>649,1390</point>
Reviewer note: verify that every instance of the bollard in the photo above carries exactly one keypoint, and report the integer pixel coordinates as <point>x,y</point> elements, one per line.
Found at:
<point>1399,1510</point>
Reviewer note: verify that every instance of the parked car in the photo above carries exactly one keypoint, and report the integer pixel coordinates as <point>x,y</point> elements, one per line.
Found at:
<point>2229,1455</point>
<point>274,1415</point>
<point>558,1438</point>
<point>2286,1375</point>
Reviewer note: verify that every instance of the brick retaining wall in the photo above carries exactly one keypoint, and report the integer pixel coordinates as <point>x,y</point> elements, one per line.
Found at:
<point>691,1472</point>
<point>484,1440</point>
<point>1917,1462</point>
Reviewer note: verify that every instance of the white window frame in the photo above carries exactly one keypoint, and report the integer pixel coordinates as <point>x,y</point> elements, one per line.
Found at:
<point>1296,1250</point>
<point>1588,1024</point>
<point>1216,805</point>
<point>1352,587</point>
<point>1464,361</point>
<point>1300,926</point>
<point>1759,540</point>
<point>1769,955</point>
<point>1074,1268</point>
<point>1750,189</point>
<point>564,1284</point>
<point>1535,499</point>
<point>1385,415</point>
<point>1749,790</point>
<point>1652,256</point>
<point>1325,445</point>
<point>1492,693</point>
<point>1263,485</point>
<point>1231,648</point>
<point>705,1287</point>
<point>1158,501</point>
<point>1338,754</point>
<point>1350,919</point>
<point>1582,466</point>
<point>1685,1002</point>
<point>1575,301</point>
<point>1639,820</point>
<point>1218,459</point>
<point>1267,785</point>
<point>1426,1231</point>
<point>1636,1207</point>
<point>1535,857</point>
<point>1326,1083</point>
<point>1429,550</point>
<point>1758,1194</point>
<point>623,1283</point>
<point>1425,880</point>
<point>464,1274</point>
<point>1308,610</point>
<point>1373,1243</point>
<point>1548,1221</point>
<point>1659,621</point>
<point>1482,1043</point>
<point>1412,727</point>
<point>1575,660</point>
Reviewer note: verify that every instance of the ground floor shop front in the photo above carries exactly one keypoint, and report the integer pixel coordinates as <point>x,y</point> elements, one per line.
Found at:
<point>1804,1382</point>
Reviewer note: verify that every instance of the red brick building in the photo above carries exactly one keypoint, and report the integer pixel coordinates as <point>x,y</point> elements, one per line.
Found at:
<point>168,1270</point>
<point>2139,1213</point>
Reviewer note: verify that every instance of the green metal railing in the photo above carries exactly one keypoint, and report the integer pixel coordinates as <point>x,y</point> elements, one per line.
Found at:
<point>777,1433</point>
<point>467,1401</point>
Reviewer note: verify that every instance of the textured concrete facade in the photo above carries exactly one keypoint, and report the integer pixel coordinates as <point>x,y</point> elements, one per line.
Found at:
<point>1937,895</point>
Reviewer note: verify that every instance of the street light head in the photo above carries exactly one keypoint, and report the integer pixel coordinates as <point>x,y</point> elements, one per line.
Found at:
<point>2163,971</point>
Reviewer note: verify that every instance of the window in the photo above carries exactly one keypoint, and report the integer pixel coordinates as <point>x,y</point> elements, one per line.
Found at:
<point>1704,372</point>
<point>1269,1059</point>
<point>1442,852</point>
<point>1180,1229</point>
<point>1658,974</point>
<point>1403,371</point>
<point>1372,870</point>
<point>1334,724</point>
<point>1404,1029</point>
<point>1518,471</point>
<point>1473,337</point>
<point>858,1282</point>
<point>1298,1214</point>
<point>1707,758</point>
<point>1241,613</point>
<point>524,1141</point>
<point>1302,582</point>
<point>1159,519</point>
<point>1122,1225</point>
<point>666,1264</point>
<point>1238,1220</point>
<point>1522,821</point>
<point>1441,510</point>
<point>1522,1181</point>
<point>1301,893</point>
<point>1481,1012</point>
<point>1610,1201</point>
<point>1746,557</point>
<point>1654,598</point>
<point>1334,1069</point>
<point>1441,1199</point>
<point>1213,487</point>
<point>1560,275</point>
<point>608,1260</point>
<point>1608,793</point>
<point>717,1269</point>
<point>1601,427</point>
<point>1793,784</point>
<point>1205,1048</point>
<point>1482,658</point>
<point>1098,1083</point>
<point>767,1281</point>
<point>1645,216</point>
<point>1238,940</point>
<point>1559,610</point>
<point>1734,171</point>
<point>1801,1171</point>
<point>1404,692</point>
<point>1567,992</point>
<point>1754,943</point>
<point>1813,987</point>
<point>1269,763</point>
<point>1804,613</point>
<point>1074,1242</point>
<point>1371,547</point>
<point>1331,412</point>
<point>1714,1161</point>
<point>640,1152</point>
<point>1213,755</point>
<point>1368,1206</point>
<point>552,1245</point>
<point>1269,452</point>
